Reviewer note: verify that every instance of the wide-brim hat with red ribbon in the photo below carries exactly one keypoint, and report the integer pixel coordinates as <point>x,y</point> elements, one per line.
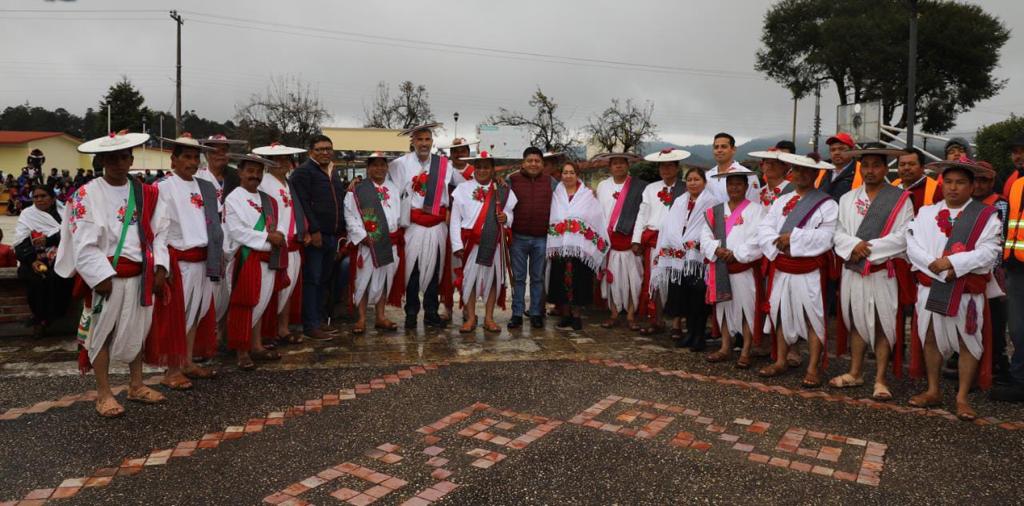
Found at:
<point>482,156</point>
<point>186,140</point>
<point>222,139</point>
<point>240,159</point>
<point>460,142</point>
<point>739,172</point>
<point>771,154</point>
<point>277,149</point>
<point>629,157</point>
<point>805,162</point>
<point>668,155</point>
<point>963,163</point>
<point>113,142</point>
<point>419,128</point>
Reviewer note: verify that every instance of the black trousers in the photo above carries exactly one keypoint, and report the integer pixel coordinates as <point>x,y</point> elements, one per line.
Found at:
<point>430,295</point>
<point>687,299</point>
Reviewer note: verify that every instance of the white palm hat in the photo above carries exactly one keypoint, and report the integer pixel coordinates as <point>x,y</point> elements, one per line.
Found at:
<point>186,140</point>
<point>113,142</point>
<point>805,161</point>
<point>668,155</point>
<point>277,149</point>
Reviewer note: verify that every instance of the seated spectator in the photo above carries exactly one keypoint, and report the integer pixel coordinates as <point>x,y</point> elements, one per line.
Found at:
<point>7,257</point>
<point>36,238</point>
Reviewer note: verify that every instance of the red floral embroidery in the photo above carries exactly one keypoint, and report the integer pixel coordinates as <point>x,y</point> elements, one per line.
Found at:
<point>957,247</point>
<point>121,211</point>
<point>788,208</point>
<point>480,193</point>
<point>196,200</point>
<point>862,206</point>
<point>370,226</point>
<point>615,196</point>
<point>575,226</point>
<point>285,197</point>
<point>257,207</point>
<point>560,228</point>
<point>601,245</point>
<point>419,184</point>
<point>945,222</point>
<point>665,196</point>
<point>383,195</point>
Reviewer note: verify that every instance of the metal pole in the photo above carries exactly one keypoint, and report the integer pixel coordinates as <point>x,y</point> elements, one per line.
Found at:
<point>817,116</point>
<point>177,101</point>
<point>109,131</point>
<point>911,106</point>
<point>793,135</point>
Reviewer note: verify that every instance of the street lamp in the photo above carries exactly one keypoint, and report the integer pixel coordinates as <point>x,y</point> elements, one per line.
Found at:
<point>456,116</point>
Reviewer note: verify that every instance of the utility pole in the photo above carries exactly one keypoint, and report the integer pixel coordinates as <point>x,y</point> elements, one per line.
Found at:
<point>817,116</point>
<point>911,107</point>
<point>456,116</point>
<point>177,101</point>
<point>793,136</point>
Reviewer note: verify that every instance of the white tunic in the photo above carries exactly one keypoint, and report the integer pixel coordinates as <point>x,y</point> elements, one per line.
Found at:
<point>622,288</point>
<point>652,209</point>
<point>717,185</point>
<point>430,243</point>
<point>864,297</point>
<point>795,296</point>
<point>180,223</point>
<point>280,192</point>
<point>742,241</point>
<point>204,173</point>
<point>90,233</point>
<point>465,210</point>
<point>222,288</point>
<point>241,212</point>
<point>925,243</point>
<point>371,281</point>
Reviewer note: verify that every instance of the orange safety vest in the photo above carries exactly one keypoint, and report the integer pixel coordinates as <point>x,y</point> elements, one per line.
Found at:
<point>1009,183</point>
<point>857,178</point>
<point>929,189</point>
<point>1015,223</point>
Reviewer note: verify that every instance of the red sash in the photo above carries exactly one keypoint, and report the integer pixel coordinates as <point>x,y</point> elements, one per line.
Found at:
<point>125,269</point>
<point>166,345</point>
<point>425,219</point>
<point>245,294</point>
<point>398,285</point>
<point>470,239</point>
<point>974,284</point>
<point>648,241</point>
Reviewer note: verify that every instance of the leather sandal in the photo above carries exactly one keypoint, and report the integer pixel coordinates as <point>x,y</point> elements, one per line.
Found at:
<point>965,412</point>
<point>196,372</point>
<point>718,356</point>
<point>388,326</point>
<point>146,395</point>
<point>491,327</point>
<point>881,393</point>
<point>811,380</point>
<point>845,380</point>
<point>743,362</point>
<point>179,384</point>
<point>109,408</point>
<point>771,371</point>
<point>468,326</point>
<point>925,401</point>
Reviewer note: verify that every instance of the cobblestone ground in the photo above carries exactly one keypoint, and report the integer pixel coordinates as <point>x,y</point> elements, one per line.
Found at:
<point>531,416</point>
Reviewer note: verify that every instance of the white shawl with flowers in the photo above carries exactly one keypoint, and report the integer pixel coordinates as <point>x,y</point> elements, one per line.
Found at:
<point>678,251</point>
<point>576,227</point>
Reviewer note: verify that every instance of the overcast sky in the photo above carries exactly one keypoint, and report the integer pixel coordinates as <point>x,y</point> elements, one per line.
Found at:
<point>699,55</point>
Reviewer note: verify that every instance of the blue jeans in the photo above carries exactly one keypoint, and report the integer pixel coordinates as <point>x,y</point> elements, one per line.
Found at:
<point>1014,297</point>
<point>315,282</point>
<point>532,249</point>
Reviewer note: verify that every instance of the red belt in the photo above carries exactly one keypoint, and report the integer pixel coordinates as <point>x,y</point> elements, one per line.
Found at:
<point>425,219</point>
<point>975,283</point>
<point>126,268</point>
<point>799,265</point>
<point>621,242</point>
<point>262,256</point>
<point>197,254</point>
<point>294,245</point>
<point>736,267</point>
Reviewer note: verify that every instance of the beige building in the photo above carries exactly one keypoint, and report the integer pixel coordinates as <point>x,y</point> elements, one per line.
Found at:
<point>60,150</point>
<point>367,139</point>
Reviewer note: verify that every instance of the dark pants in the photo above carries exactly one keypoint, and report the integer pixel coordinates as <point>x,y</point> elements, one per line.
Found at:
<point>572,282</point>
<point>687,299</point>
<point>48,296</point>
<point>532,250</point>
<point>1015,299</point>
<point>412,293</point>
<point>997,314</point>
<point>316,276</point>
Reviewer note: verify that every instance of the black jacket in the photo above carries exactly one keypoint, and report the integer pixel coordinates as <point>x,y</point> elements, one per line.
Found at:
<point>842,183</point>
<point>322,198</point>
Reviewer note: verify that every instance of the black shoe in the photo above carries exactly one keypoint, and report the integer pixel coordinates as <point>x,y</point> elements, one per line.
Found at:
<point>435,321</point>
<point>699,343</point>
<point>564,323</point>
<point>515,322</point>
<point>410,323</point>
<point>577,323</point>
<point>685,342</point>
<point>1011,393</point>
<point>537,322</point>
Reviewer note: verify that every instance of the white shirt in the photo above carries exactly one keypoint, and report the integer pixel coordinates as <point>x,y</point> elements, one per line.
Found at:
<point>241,212</point>
<point>285,208</point>
<point>466,209</point>
<point>652,208</point>
<point>180,209</point>
<point>402,171</point>
<point>391,204</point>
<point>717,185</point>
<point>607,195</point>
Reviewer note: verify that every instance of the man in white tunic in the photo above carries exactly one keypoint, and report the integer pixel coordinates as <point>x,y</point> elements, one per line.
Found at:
<point>481,213</point>
<point>871,241</point>
<point>254,244</point>
<point>106,238</point>
<point>796,236</point>
<point>286,304</point>
<point>729,242</point>
<point>189,247</point>
<point>723,149</point>
<point>372,212</point>
<point>424,179</point>
<point>225,178</point>
<point>620,196</point>
<point>654,205</point>
<point>952,246</point>
<point>774,172</point>
<point>462,171</point>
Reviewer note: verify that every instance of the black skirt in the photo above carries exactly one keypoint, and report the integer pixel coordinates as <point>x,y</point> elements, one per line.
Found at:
<point>571,282</point>
<point>686,298</point>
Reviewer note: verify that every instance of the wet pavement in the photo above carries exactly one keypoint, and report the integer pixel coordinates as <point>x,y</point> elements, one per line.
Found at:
<point>535,416</point>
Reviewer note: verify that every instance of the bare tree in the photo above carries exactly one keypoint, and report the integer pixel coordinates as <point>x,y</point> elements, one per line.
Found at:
<point>547,130</point>
<point>381,114</point>
<point>409,108</point>
<point>624,126</point>
<point>289,111</point>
